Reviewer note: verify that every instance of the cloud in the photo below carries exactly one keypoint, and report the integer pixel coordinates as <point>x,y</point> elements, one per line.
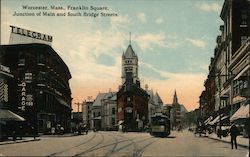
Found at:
<point>89,76</point>
<point>146,41</point>
<point>120,22</point>
<point>213,7</point>
<point>142,17</point>
<point>159,20</point>
<point>197,42</point>
<point>149,71</point>
<point>184,83</point>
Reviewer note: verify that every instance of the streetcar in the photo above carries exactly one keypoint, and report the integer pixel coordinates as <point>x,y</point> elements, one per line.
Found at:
<point>160,125</point>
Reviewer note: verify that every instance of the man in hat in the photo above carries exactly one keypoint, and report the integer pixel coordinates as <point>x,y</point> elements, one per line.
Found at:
<point>234,133</point>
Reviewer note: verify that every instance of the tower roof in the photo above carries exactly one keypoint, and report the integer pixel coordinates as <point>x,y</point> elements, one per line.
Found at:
<point>175,100</point>
<point>130,52</point>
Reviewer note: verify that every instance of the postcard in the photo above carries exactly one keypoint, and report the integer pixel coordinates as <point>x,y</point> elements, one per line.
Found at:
<point>124,78</point>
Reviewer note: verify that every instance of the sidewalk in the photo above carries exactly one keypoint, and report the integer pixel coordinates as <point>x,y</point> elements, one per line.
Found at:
<point>241,141</point>
<point>39,137</point>
<point>61,135</point>
<point>24,139</point>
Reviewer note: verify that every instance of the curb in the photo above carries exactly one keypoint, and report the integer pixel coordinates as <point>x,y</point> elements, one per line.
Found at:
<point>22,141</point>
<point>241,145</point>
<point>60,136</point>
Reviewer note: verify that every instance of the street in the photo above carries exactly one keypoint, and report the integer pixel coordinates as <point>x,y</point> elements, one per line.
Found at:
<point>123,144</point>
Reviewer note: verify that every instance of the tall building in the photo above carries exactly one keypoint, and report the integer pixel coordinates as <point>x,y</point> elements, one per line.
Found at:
<point>227,85</point>
<point>41,92</point>
<point>132,100</point>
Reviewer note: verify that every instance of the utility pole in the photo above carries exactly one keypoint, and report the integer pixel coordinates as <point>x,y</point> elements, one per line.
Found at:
<point>78,113</point>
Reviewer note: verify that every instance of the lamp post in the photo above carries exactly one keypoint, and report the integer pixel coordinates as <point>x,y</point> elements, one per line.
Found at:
<point>219,90</point>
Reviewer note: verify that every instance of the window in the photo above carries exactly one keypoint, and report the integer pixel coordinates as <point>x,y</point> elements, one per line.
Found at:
<point>41,58</point>
<point>113,111</point>
<point>41,76</point>
<point>113,121</point>
<point>243,22</point>
<point>243,39</point>
<point>21,61</point>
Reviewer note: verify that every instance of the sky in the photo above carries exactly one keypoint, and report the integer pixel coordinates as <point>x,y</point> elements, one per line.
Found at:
<point>174,41</point>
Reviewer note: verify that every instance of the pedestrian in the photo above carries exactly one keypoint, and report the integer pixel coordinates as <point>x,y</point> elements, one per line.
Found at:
<point>33,132</point>
<point>234,133</point>
<point>21,132</point>
<point>14,135</point>
<point>53,130</point>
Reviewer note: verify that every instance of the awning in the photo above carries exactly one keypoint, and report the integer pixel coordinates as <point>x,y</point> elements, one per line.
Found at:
<point>120,122</point>
<point>97,118</point>
<point>7,115</point>
<point>217,119</point>
<point>61,101</point>
<point>242,112</point>
<point>224,117</point>
<point>208,120</point>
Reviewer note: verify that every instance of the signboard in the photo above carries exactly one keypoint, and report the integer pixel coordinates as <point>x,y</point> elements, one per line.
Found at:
<point>25,99</point>
<point>4,69</point>
<point>23,36</point>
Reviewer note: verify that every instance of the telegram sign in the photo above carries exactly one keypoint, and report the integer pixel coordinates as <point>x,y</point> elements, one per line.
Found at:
<point>24,36</point>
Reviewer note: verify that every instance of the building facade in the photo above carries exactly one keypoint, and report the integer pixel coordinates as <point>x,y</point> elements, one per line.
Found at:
<point>155,104</point>
<point>132,100</point>
<point>41,92</point>
<point>229,68</point>
<point>109,109</point>
<point>177,112</point>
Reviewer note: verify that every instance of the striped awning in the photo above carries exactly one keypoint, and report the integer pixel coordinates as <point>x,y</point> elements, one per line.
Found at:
<point>7,115</point>
<point>241,113</point>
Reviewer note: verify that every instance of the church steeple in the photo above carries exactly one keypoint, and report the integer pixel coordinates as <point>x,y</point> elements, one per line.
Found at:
<point>175,100</point>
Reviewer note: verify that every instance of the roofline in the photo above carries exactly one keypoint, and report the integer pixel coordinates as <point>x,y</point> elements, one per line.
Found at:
<point>52,52</point>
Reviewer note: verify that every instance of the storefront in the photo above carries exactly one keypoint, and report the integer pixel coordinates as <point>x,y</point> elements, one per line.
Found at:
<point>9,121</point>
<point>241,118</point>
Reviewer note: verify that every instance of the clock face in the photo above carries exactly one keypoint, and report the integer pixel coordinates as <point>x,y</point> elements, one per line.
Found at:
<point>129,109</point>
